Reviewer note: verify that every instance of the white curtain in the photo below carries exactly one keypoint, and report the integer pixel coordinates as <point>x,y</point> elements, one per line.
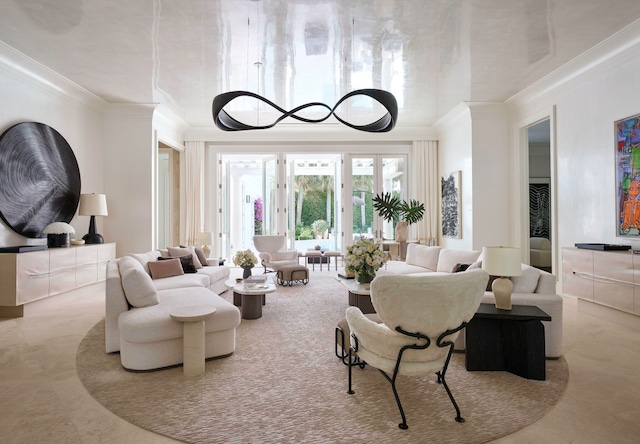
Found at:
<point>425,179</point>
<point>194,154</point>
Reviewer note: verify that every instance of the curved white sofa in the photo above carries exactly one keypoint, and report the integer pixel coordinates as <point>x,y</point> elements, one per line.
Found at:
<point>534,287</point>
<point>145,334</point>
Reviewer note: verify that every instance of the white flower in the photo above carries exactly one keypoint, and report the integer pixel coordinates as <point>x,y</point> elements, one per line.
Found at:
<point>244,258</point>
<point>58,228</point>
<point>364,257</point>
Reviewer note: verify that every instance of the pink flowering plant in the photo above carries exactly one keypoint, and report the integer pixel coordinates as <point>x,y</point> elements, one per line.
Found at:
<point>364,258</point>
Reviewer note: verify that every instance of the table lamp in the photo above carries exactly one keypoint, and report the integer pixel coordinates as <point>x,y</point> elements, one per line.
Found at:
<point>205,238</point>
<point>503,262</point>
<point>93,205</point>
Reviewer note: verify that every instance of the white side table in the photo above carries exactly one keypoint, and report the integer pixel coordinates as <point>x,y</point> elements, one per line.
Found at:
<point>250,297</point>
<point>193,318</point>
<point>359,295</point>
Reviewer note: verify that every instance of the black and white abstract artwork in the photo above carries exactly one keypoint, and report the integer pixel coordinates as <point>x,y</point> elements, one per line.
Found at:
<point>451,205</point>
<point>539,209</point>
<point>39,178</point>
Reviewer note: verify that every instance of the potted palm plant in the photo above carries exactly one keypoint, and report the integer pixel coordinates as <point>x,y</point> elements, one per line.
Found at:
<point>391,208</point>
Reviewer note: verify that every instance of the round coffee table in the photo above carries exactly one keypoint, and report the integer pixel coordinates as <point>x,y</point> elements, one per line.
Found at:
<point>250,297</point>
<point>193,318</point>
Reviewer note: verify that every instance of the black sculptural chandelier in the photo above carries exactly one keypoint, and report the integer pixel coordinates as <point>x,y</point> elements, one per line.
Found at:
<point>386,123</point>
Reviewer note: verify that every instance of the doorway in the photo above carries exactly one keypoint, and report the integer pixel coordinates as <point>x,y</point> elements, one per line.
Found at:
<point>314,185</point>
<point>168,228</point>
<point>540,192</point>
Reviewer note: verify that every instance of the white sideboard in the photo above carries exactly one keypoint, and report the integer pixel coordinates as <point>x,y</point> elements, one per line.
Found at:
<point>30,276</point>
<point>604,278</point>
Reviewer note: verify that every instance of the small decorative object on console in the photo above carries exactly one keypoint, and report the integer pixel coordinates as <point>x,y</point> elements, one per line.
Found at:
<point>58,234</point>
<point>604,247</point>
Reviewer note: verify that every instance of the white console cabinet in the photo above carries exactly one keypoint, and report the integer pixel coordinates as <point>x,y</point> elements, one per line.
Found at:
<point>30,276</point>
<point>608,279</point>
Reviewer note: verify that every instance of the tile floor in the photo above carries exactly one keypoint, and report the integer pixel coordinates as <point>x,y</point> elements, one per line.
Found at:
<point>42,400</point>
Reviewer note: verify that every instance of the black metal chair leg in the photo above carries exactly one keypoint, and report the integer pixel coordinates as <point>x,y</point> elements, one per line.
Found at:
<point>340,334</point>
<point>403,425</point>
<point>350,391</point>
<point>453,401</point>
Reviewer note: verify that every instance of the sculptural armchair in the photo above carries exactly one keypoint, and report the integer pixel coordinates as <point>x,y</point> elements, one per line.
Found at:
<point>272,253</point>
<point>421,318</point>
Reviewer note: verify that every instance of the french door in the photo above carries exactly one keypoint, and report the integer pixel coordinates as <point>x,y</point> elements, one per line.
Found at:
<point>301,197</point>
<point>248,199</point>
<point>372,175</point>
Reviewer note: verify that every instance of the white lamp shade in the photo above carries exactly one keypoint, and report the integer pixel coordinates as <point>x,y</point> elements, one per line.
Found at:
<point>205,238</point>
<point>93,205</point>
<point>501,261</point>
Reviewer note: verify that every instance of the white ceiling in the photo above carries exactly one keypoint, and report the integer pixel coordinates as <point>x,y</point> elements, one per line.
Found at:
<point>431,54</point>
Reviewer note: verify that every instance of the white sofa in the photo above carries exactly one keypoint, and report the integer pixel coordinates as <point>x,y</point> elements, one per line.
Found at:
<point>540,252</point>
<point>137,320</point>
<point>534,287</point>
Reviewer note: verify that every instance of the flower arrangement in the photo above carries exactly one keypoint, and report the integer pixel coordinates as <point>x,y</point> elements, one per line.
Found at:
<point>364,258</point>
<point>245,258</point>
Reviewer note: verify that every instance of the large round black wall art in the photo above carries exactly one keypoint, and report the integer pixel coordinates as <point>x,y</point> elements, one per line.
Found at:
<point>39,178</point>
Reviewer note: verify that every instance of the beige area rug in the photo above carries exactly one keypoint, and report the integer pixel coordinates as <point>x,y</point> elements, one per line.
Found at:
<point>284,384</point>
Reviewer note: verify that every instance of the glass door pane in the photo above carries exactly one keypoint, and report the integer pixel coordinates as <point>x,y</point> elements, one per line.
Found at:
<point>392,182</point>
<point>371,176</point>
<point>269,205</point>
<point>362,180</point>
<point>314,184</point>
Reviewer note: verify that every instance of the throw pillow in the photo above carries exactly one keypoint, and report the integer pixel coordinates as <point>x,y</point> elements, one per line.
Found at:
<point>201,257</point>
<point>447,258</point>
<point>165,268</point>
<point>528,281</point>
<point>476,264</point>
<point>183,251</point>
<point>423,256</point>
<point>136,283</point>
<point>457,268</point>
<point>186,262</point>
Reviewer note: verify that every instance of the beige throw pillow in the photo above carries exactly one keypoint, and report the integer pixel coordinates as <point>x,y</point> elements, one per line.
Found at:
<point>201,256</point>
<point>183,251</point>
<point>165,268</point>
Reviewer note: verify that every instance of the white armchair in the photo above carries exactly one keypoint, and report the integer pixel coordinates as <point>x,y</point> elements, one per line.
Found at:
<point>421,319</point>
<point>272,253</point>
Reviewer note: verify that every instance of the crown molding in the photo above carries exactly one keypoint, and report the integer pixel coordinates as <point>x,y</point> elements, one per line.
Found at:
<point>611,52</point>
<point>24,69</point>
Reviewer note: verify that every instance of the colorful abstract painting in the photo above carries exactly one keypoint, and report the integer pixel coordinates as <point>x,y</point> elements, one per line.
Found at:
<point>628,176</point>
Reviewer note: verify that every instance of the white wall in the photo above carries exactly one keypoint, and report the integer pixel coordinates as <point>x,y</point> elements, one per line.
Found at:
<point>31,93</point>
<point>129,165</point>
<point>455,153</point>
<point>473,138</point>
<point>589,95</point>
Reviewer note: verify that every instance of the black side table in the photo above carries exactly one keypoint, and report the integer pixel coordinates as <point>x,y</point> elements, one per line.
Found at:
<point>508,340</point>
